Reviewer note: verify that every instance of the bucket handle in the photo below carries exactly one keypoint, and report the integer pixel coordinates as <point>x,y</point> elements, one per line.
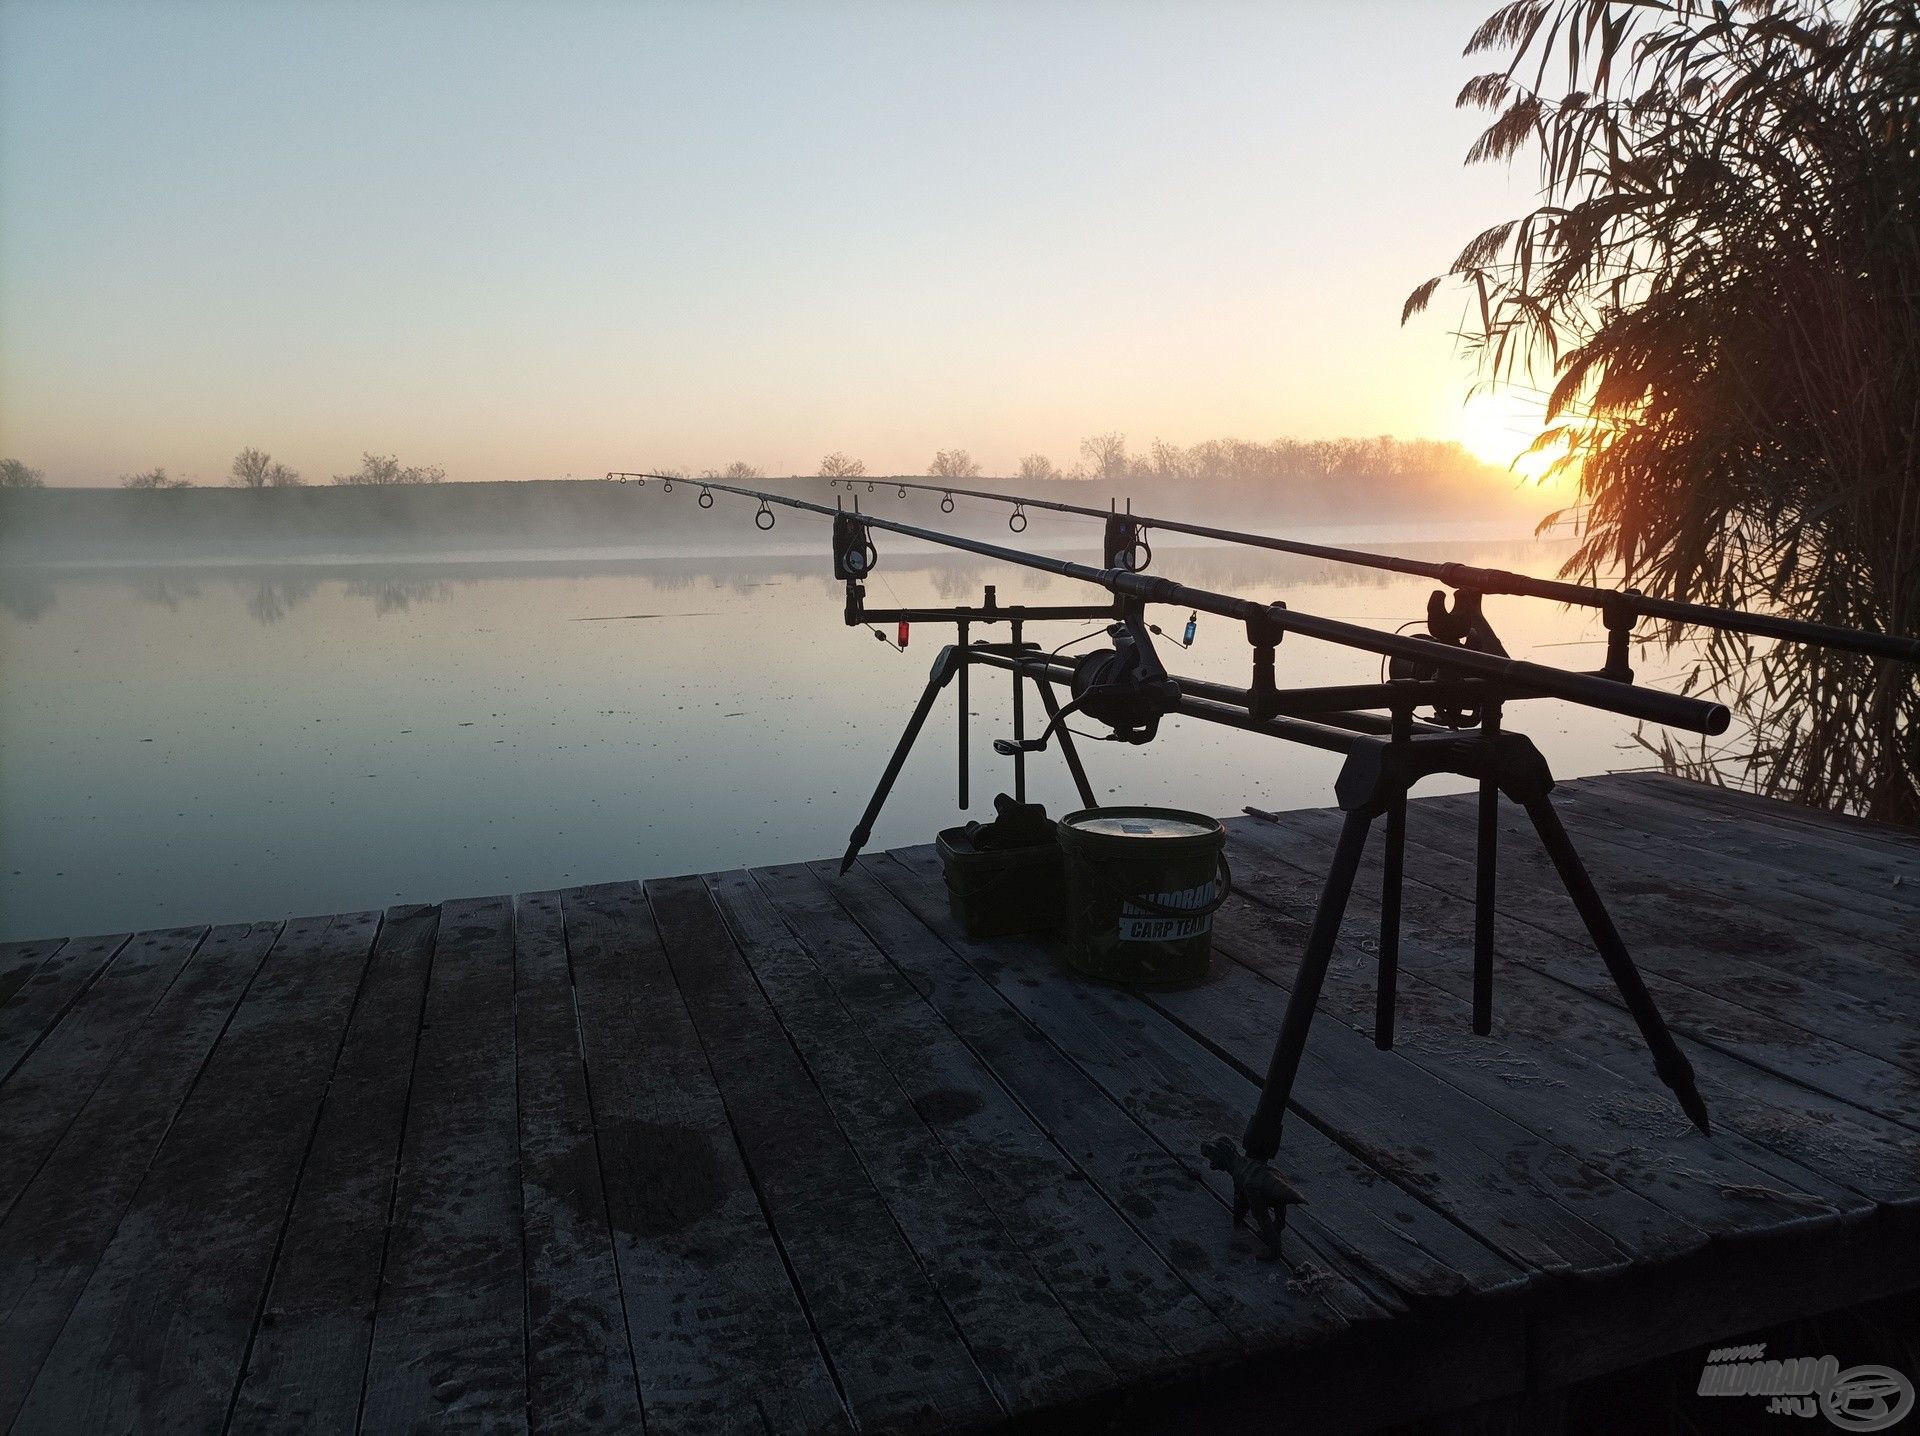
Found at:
<point>1213,905</point>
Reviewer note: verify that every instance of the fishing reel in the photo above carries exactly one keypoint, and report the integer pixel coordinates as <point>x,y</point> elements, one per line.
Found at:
<point>1124,687</point>
<point>1463,625</point>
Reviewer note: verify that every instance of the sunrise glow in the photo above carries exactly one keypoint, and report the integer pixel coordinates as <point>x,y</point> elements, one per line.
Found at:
<point>1499,427</point>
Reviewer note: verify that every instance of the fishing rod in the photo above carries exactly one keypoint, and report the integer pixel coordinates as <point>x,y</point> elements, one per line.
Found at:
<point>1621,606</point>
<point>1457,669</point>
<point>1531,679</point>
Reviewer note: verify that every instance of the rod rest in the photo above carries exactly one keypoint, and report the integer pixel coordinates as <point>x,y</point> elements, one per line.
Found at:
<point>1378,770</point>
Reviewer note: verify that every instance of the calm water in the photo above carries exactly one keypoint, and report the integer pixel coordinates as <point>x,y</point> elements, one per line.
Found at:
<point>212,744</point>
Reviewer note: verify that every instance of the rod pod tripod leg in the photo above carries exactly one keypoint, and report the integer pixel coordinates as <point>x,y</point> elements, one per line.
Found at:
<point>1393,863</point>
<point>960,642</point>
<point>1486,858</point>
<point>1262,1138</point>
<point>951,660</point>
<point>1668,1060</point>
<point>1375,781</point>
<point>952,663</point>
<point>1386,982</point>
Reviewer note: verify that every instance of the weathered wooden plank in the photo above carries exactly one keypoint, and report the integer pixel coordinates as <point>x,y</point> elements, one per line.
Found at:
<point>1847,1146</point>
<point>449,1329</point>
<point>1684,983</point>
<point>1693,952</point>
<point>1877,877</point>
<point>1026,1345</point>
<point>20,960</point>
<point>719,1338</point>
<point>1521,1194</point>
<point>1548,1212</point>
<point>1447,1368</point>
<point>176,1294</point>
<point>1544,1065</point>
<point>1259,1302</point>
<point>51,1240</point>
<point>1185,1094</point>
<point>1616,832</point>
<point>1841,826</point>
<point>1524,1195</point>
<point>580,1374</point>
<point>308,1365</point>
<point>1122,1294</point>
<point>898,1358</point>
<point>54,986</point>
<point>1792,872</point>
<point>1662,1310</point>
<point>53,1082</point>
<point>1867,897</point>
<point>1855,977</point>
<point>116,1262</point>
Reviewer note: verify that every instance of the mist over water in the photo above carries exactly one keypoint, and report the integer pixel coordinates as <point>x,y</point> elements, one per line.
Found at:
<point>448,521</point>
<point>189,743</point>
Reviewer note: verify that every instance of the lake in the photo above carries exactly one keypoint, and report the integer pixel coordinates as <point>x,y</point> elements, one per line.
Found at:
<point>221,743</point>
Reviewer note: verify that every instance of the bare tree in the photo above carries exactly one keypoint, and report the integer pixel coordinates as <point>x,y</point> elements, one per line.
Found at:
<point>953,464</point>
<point>153,479</point>
<point>1037,467</point>
<point>1168,461</point>
<point>838,466</point>
<point>256,469</point>
<point>16,475</point>
<point>737,471</point>
<point>385,469</point>
<point>1106,455</point>
<point>250,468</point>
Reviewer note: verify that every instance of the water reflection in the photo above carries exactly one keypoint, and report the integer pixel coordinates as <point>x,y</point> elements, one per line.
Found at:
<point>271,599</point>
<point>397,595</point>
<point>167,588</point>
<point>227,743</point>
<point>270,593</point>
<point>25,593</point>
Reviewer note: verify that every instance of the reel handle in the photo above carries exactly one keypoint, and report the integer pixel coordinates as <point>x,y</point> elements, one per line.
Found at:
<point>1014,747</point>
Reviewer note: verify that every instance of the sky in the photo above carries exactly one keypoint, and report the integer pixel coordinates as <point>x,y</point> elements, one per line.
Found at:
<point>531,241</point>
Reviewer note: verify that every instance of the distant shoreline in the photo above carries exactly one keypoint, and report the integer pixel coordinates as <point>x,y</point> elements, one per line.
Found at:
<point>505,522</point>
<point>916,553</point>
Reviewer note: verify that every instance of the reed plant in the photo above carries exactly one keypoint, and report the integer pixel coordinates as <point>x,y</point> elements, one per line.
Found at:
<point>1717,292</point>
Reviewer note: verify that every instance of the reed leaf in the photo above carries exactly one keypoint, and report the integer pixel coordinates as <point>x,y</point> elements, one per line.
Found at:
<point>1722,285</point>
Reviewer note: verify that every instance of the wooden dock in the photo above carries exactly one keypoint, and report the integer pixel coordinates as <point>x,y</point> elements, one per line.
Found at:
<point>774,1150</point>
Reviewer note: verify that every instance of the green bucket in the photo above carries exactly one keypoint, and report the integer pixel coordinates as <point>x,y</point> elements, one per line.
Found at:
<point>1142,887</point>
<point>997,892</point>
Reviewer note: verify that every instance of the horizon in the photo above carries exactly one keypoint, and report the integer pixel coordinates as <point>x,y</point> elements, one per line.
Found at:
<point>1138,468</point>
<point>456,255</point>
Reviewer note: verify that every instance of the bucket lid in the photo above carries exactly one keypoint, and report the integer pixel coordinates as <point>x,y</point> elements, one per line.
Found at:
<point>1141,823</point>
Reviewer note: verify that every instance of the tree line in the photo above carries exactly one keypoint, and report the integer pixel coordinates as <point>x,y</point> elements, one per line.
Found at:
<point>251,469</point>
<point>1326,466</point>
<point>1277,463</point>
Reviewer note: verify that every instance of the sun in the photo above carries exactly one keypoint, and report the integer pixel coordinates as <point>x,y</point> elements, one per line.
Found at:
<point>1497,426</point>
